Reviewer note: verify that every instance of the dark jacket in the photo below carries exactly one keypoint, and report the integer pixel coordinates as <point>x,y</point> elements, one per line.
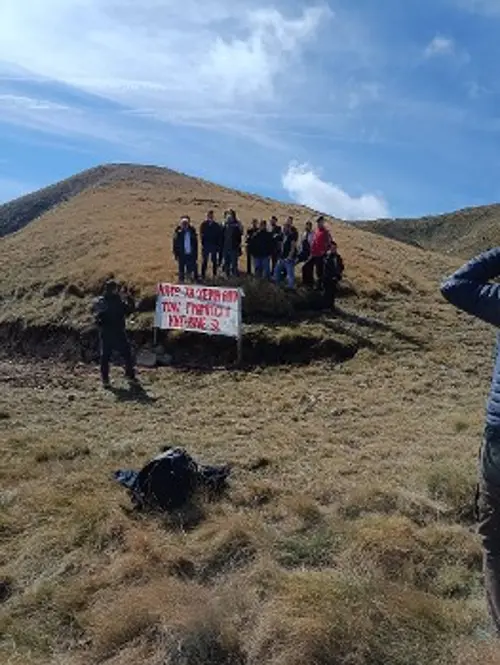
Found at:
<point>333,267</point>
<point>178,244</point>
<point>261,244</point>
<point>249,235</point>
<point>232,236</point>
<point>111,312</point>
<point>211,235</point>
<point>288,237</point>
<point>305,245</point>
<point>277,236</point>
<point>470,289</point>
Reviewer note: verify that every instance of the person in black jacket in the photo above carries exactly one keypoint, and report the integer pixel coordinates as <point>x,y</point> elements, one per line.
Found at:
<point>232,237</point>
<point>211,244</point>
<point>277,234</point>
<point>250,233</point>
<point>305,243</point>
<point>333,270</point>
<point>261,247</point>
<point>185,248</point>
<point>111,311</point>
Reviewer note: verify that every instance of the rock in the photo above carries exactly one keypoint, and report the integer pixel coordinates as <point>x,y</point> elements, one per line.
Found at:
<point>164,360</point>
<point>146,358</point>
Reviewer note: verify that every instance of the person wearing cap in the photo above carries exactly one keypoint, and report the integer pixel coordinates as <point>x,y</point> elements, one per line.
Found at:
<point>185,249</point>
<point>111,311</point>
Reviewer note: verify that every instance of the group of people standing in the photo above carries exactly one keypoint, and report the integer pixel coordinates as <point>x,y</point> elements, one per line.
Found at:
<point>272,251</point>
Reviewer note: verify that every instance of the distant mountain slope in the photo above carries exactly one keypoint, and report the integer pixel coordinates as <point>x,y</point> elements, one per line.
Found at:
<point>17,214</point>
<point>464,233</point>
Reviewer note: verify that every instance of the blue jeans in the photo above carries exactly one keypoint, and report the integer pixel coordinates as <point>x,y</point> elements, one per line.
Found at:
<point>262,266</point>
<point>288,266</point>
<point>231,262</point>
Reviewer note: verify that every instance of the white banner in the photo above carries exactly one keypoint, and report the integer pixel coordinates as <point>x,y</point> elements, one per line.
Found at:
<point>209,310</point>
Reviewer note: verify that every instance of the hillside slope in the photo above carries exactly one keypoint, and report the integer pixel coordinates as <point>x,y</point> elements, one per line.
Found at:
<point>124,226</point>
<point>463,233</point>
<point>53,266</point>
<point>17,214</point>
<point>346,534</point>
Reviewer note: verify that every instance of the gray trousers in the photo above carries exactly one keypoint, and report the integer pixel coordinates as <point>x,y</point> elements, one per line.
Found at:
<point>489,519</point>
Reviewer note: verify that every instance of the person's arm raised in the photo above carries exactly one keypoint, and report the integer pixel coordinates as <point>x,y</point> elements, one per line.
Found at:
<point>470,289</point>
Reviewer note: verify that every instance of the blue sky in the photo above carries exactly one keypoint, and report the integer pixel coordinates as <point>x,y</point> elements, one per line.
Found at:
<point>358,108</point>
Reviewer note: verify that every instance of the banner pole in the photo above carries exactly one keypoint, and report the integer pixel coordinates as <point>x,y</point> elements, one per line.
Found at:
<point>155,319</point>
<point>240,330</point>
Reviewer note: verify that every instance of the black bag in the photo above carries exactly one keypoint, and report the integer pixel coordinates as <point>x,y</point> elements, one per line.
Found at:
<point>169,481</point>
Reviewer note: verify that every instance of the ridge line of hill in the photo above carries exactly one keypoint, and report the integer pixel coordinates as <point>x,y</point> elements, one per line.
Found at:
<point>464,232</point>
<point>20,212</point>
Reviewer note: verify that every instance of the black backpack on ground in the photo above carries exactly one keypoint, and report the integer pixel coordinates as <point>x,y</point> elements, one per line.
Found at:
<point>170,480</point>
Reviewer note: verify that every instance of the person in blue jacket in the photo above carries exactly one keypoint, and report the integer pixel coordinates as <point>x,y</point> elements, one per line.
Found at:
<point>471,289</point>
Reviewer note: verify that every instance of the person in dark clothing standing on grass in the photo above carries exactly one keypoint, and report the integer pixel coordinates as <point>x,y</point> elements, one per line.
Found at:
<point>305,243</point>
<point>471,290</point>
<point>333,271</point>
<point>287,254</point>
<point>261,248</point>
<point>111,311</point>
<point>321,242</point>
<point>185,248</point>
<point>277,235</point>
<point>232,238</point>
<point>211,244</point>
<point>250,233</point>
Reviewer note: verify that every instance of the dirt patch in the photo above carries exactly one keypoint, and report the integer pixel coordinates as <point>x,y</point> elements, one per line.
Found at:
<point>187,350</point>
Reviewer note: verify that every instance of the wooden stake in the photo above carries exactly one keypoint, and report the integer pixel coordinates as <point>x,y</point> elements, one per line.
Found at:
<point>240,330</point>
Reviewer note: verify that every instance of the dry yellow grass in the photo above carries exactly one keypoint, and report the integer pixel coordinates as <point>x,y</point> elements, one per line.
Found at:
<point>464,232</point>
<point>336,551</point>
<point>351,545</point>
<point>125,228</point>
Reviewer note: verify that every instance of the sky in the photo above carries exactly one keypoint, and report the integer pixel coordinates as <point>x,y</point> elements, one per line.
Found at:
<point>359,109</point>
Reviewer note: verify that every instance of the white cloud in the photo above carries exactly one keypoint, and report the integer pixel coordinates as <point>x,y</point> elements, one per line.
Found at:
<point>440,46</point>
<point>305,186</point>
<point>166,57</point>
<point>69,121</point>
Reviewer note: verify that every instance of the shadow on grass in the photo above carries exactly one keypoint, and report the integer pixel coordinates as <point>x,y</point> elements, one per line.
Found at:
<point>134,393</point>
<point>375,324</point>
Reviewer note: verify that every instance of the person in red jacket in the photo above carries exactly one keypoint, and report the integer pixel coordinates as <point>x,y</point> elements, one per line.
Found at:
<point>321,243</point>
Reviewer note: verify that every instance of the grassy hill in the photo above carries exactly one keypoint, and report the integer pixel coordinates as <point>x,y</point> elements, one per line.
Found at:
<point>123,226</point>
<point>462,233</point>
<point>347,534</point>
